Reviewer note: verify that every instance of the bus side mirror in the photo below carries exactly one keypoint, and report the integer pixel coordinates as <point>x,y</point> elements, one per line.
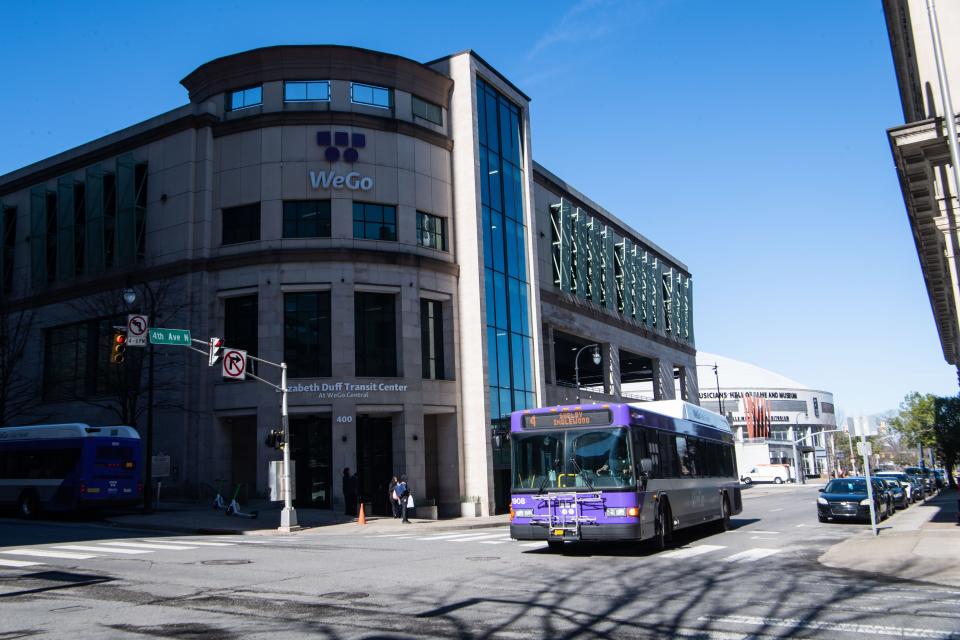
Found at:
<point>646,466</point>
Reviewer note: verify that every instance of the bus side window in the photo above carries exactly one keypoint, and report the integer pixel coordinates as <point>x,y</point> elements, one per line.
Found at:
<point>668,457</point>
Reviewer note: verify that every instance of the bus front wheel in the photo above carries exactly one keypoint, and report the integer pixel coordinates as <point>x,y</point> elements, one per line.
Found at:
<point>723,524</point>
<point>662,528</point>
<point>28,505</point>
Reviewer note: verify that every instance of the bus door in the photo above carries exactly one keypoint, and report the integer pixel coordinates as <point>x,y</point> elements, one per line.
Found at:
<point>646,447</point>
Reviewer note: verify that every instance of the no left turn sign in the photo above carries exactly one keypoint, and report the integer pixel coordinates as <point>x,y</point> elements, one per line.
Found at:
<point>234,364</point>
<point>137,330</point>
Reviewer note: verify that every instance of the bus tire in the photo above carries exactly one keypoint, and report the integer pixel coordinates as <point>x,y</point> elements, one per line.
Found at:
<point>28,505</point>
<point>555,545</point>
<point>723,524</point>
<point>662,528</point>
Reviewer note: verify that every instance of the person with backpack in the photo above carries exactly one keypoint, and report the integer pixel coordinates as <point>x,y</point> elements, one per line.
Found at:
<point>403,493</point>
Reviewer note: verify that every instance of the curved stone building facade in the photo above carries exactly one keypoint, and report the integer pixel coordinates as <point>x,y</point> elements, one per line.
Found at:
<point>375,223</point>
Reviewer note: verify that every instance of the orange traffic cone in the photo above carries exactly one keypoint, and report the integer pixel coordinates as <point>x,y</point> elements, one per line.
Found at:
<point>363,516</point>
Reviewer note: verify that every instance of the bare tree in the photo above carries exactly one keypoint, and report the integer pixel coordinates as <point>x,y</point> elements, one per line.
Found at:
<point>18,393</point>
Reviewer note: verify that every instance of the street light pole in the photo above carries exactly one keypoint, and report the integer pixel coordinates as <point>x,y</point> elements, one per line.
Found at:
<point>716,375</point>
<point>130,296</point>
<point>576,364</point>
<point>800,476</point>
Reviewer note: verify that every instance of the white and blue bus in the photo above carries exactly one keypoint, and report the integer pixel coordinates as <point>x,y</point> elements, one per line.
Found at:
<point>620,472</point>
<point>65,467</point>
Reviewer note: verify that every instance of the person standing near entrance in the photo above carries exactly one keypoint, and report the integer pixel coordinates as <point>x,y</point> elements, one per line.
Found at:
<point>349,493</point>
<point>393,497</point>
<point>403,493</point>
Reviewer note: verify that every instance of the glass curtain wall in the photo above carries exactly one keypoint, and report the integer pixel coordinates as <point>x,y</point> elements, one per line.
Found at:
<point>504,258</point>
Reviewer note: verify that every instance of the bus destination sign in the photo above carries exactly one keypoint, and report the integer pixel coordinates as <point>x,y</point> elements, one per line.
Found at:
<point>589,418</point>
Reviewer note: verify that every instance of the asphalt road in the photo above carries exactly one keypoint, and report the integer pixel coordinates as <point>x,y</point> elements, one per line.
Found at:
<point>759,580</point>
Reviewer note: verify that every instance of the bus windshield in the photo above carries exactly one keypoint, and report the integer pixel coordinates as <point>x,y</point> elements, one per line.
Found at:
<point>587,458</point>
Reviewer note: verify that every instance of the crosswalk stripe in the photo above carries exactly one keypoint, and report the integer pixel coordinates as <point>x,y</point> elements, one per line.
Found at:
<point>495,541</point>
<point>146,545</point>
<point>18,563</point>
<point>751,555</point>
<point>193,543</point>
<point>78,547</point>
<point>397,535</point>
<point>473,537</point>
<point>691,551</point>
<point>240,540</point>
<point>45,553</point>
<point>447,536</point>
<point>533,544</point>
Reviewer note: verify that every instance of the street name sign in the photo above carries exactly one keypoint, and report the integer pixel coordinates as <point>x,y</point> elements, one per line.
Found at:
<point>234,364</point>
<point>137,330</point>
<point>169,336</point>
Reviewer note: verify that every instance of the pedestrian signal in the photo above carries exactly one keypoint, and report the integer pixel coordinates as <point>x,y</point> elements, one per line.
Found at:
<point>119,346</point>
<point>274,439</point>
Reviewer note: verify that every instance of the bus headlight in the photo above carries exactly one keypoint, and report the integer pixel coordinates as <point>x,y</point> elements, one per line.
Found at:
<point>617,511</point>
<point>822,500</point>
<point>523,513</point>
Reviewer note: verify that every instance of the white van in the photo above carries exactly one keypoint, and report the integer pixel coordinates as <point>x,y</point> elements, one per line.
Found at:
<point>775,473</point>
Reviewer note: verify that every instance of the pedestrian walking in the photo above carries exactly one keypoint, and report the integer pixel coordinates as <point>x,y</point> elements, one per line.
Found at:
<point>393,497</point>
<point>349,493</point>
<point>403,493</point>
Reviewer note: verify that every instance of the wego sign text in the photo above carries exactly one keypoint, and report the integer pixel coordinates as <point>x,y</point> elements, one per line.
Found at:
<point>353,180</point>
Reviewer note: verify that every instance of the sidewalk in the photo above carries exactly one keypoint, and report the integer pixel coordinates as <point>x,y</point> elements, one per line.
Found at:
<point>190,517</point>
<point>921,543</point>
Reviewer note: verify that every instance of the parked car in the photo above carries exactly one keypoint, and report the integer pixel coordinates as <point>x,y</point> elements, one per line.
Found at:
<point>846,499</point>
<point>921,476</point>
<point>898,495</point>
<point>775,473</point>
<point>910,486</point>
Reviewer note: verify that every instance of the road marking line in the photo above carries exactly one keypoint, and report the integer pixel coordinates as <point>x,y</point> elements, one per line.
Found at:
<point>796,623</point>
<point>18,563</point>
<point>775,510</point>
<point>49,554</point>
<point>752,555</point>
<point>397,535</point>
<point>445,536</point>
<point>473,536</point>
<point>499,541</point>
<point>801,525</point>
<point>193,542</point>
<point>534,544</point>
<point>762,531</point>
<point>145,545</point>
<point>691,551</point>
<point>78,547</point>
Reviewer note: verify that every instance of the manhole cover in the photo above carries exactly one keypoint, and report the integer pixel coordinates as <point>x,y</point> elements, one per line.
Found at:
<point>345,595</point>
<point>482,558</point>
<point>221,562</point>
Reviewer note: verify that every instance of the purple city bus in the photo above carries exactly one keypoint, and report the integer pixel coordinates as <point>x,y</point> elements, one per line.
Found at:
<point>620,472</point>
<point>68,467</point>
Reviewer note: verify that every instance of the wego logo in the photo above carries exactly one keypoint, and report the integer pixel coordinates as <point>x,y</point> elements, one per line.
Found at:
<point>341,139</point>
<point>330,179</point>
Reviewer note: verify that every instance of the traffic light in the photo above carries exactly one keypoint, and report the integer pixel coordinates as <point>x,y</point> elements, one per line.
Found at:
<point>216,346</point>
<point>274,439</point>
<point>118,347</point>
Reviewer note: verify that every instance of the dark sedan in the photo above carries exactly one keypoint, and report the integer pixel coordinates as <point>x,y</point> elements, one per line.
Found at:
<point>846,498</point>
<point>898,495</point>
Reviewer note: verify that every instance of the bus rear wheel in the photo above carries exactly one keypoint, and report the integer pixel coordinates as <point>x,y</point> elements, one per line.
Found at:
<point>723,524</point>
<point>28,505</point>
<point>662,528</point>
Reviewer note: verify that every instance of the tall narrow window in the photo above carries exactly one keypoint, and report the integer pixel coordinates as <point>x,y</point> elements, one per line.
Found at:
<point>374,221</point>
<point>306,333</point>
<point>431,231</point>
<point>241,224</point>
<point>431,339</point>
<point>51,236</point>
<point>375,334</point>
<point>306,219</point>
<point>667,301</point>
<point>79,227</point>
<point>243,98</point>
<point>140,208</point>
<point>9,246</point>
<point>240,323</point>
<point>109,219</point>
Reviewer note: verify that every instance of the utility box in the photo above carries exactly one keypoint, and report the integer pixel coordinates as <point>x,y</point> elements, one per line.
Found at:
<point>275,475</point>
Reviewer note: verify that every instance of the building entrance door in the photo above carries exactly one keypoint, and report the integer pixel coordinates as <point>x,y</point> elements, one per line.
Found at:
<point>375,461</point>
<point>311,451</point>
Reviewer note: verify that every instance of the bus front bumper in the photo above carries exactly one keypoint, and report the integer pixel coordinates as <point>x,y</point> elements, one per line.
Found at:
<point>628,531</point>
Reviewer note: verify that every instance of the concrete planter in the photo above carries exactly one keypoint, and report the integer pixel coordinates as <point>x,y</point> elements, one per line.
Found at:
<point>426,513</point>
<point>469,509</point>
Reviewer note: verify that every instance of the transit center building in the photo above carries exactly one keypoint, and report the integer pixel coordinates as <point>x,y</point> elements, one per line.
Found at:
<point>376,223</point>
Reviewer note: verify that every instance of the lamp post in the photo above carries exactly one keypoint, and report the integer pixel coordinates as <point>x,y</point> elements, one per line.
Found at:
<point>129,297</point>
<point>717,376</point>
<point>800,476</point>
<point>576,364</point>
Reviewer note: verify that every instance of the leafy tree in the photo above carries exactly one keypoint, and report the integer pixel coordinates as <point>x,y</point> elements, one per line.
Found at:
<point>18,394</point>
<point>915,420</point>
<point>947,434</point>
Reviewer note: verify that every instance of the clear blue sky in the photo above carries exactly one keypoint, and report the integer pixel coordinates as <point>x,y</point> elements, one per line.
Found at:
<point>745,138</point>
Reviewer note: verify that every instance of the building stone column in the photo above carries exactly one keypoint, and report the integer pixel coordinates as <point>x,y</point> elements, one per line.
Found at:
<point>549,366</point>
<point>663,387</point>
<point>612,375</point>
